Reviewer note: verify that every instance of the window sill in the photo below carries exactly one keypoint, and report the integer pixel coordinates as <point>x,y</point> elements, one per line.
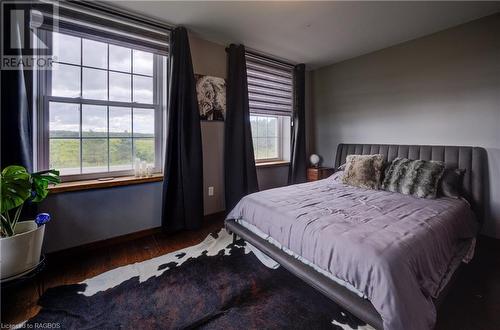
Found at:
<point>97,184</point>
<point>272,164</point>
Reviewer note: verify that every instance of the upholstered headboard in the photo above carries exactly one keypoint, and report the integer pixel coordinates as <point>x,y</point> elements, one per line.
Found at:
<point>472,159</point>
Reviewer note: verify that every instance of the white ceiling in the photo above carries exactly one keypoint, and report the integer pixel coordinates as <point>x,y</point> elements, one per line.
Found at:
<point>315,33</point>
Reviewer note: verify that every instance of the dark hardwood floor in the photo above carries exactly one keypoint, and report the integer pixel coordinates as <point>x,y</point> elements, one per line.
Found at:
<point>473,303</point>
<point>474,300</point>
<point>20,303</point>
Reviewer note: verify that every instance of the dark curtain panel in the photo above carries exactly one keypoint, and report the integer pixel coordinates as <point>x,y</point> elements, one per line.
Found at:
<point>298,159</point>
<point>183,174</point>
<point>16,116</point>
<point>239,161</point>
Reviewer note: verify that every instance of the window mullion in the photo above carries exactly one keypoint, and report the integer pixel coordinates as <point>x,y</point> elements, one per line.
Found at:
<point>107,113</point>
<point>280,137</point>
<point>43,88</point>
<point>63,99</point>
<point>132,106</point>
<point>81,140</point>
<point>157,68</point>
<point>81,109</point>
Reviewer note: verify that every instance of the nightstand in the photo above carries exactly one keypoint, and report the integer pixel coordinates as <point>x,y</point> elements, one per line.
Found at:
<point>318,173</point>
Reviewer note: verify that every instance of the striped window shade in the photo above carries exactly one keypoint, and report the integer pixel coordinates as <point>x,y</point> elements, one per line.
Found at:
<point>108,24</point>
<point>270,86</point>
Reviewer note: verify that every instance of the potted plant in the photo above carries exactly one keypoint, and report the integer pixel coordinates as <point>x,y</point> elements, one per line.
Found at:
<point>21,242</point>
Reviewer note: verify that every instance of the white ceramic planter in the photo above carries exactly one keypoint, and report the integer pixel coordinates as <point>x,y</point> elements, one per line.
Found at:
<point>21,252</point>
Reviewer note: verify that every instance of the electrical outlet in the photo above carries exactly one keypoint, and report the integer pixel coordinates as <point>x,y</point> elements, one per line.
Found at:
<point>210,191</point>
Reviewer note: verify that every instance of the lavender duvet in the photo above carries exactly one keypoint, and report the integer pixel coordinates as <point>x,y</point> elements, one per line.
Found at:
<point>396,250</point>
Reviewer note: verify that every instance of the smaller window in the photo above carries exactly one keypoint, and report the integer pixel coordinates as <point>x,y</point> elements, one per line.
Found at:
<point>265,135</point>
<point>270,95</point>
<point>271,137</point>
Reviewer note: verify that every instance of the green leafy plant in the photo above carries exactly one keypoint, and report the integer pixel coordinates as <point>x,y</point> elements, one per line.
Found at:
<point>19,186</point>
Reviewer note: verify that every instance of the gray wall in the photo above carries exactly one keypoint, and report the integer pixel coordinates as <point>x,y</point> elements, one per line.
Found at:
<point>86,216</point>
<point>93,215</point>
<point>439,89</point>
<point>210,59</point>
<point>272,177</point>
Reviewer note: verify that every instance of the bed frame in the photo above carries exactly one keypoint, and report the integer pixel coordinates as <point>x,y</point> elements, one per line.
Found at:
<point>472,159</point>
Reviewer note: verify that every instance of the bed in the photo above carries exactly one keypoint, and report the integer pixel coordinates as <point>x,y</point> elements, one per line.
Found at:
<point>387,258</point>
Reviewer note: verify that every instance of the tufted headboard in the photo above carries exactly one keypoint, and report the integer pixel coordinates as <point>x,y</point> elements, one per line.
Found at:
<point>472,159</point>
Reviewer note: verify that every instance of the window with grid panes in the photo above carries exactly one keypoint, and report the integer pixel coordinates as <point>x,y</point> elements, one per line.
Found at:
<point>103,104</point>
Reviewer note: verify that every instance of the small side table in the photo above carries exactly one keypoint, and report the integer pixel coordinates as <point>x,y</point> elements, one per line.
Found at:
<point>32,275</point>
<point>319,173</point>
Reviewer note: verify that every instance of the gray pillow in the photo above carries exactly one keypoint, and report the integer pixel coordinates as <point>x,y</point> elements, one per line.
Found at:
<point>452,183</point>
<point>364,171</point>
<point>419,178</point>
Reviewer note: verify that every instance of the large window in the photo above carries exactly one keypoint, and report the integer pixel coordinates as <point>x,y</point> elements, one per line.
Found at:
<point>101,105</point>
<point>271,100</point>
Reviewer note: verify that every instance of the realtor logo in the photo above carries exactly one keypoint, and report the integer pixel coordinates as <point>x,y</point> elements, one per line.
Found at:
<point>21,46</point>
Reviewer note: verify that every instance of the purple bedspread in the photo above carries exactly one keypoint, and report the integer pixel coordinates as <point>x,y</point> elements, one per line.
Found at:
<point>393,248</point>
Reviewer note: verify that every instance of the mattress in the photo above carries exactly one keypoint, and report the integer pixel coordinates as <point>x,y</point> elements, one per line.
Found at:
<point>395,250</point>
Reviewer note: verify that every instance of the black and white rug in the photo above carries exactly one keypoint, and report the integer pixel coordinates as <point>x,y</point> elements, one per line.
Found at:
<point>215,285</point>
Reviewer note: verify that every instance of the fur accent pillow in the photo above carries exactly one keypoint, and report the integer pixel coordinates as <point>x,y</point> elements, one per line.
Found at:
<point>364,171</point>
<point>452,183</point>
<point>419,178</point>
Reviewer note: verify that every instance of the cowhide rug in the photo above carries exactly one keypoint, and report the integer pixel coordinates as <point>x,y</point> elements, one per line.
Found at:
<point>214,285</point>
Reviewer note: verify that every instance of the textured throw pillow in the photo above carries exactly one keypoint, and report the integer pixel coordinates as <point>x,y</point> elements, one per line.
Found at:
<point>418,178</point>
<point>452,183</point>
<point>364,171</point>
